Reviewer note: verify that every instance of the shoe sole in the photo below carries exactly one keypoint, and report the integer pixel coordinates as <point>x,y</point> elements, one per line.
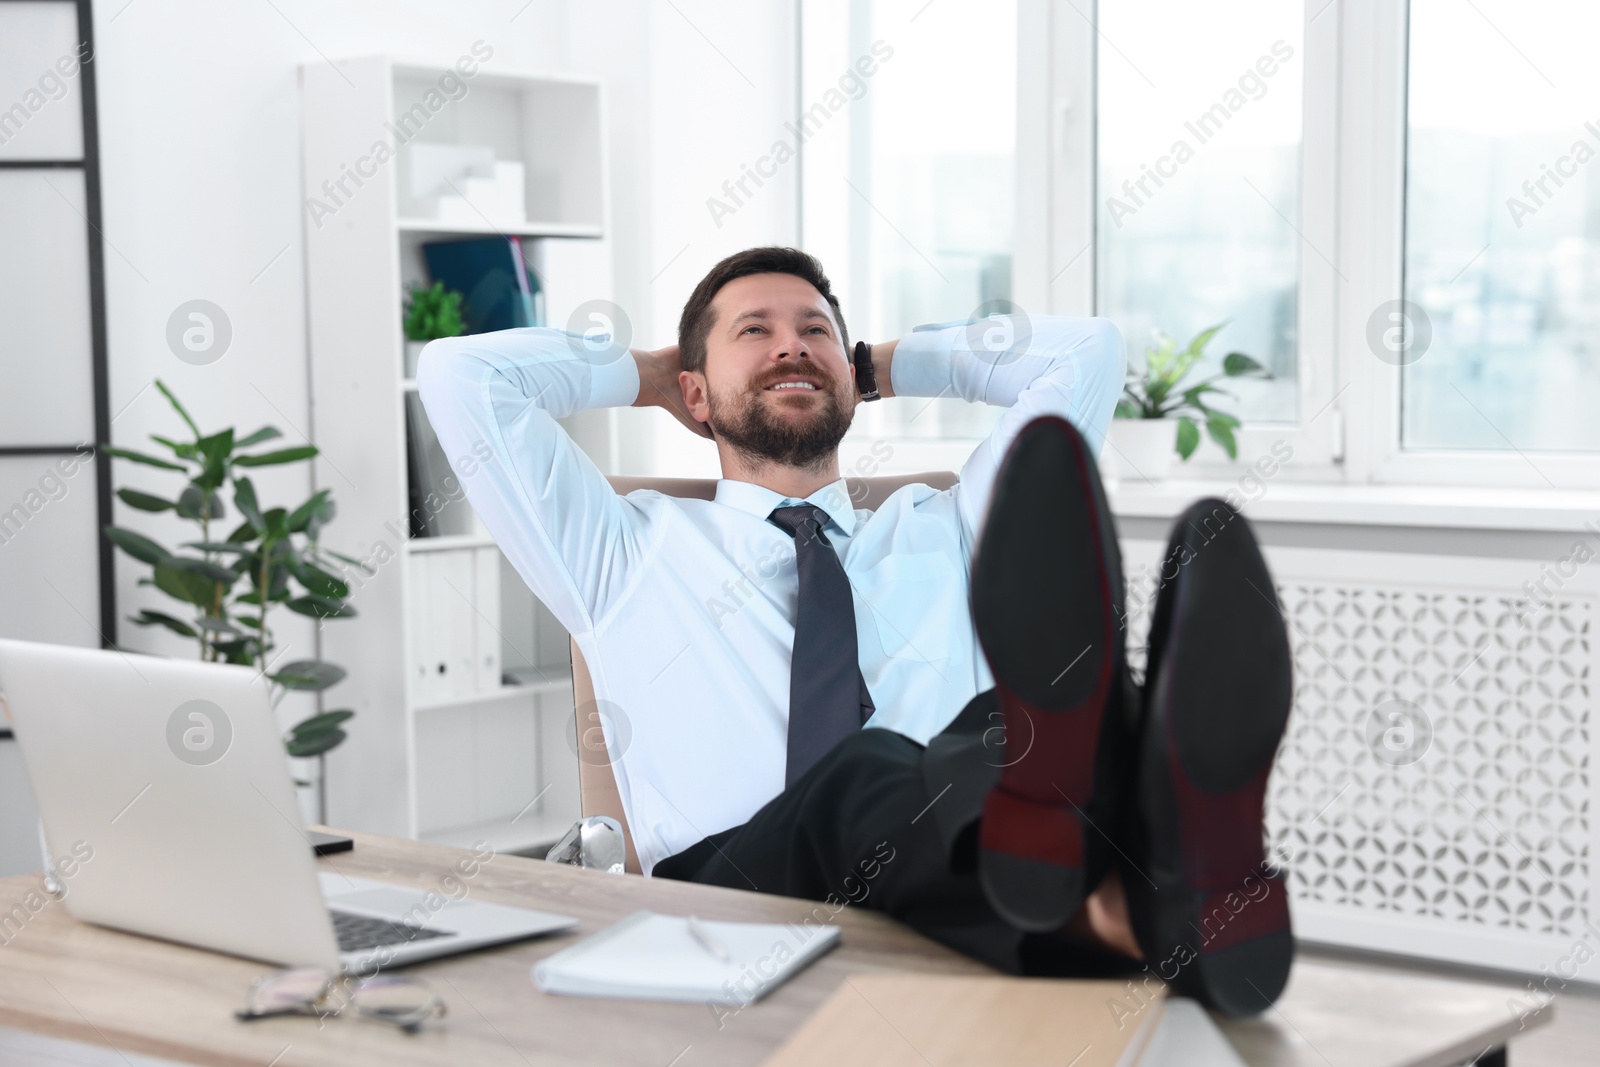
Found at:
<point>1043,610</point>
<point>1216,711</point>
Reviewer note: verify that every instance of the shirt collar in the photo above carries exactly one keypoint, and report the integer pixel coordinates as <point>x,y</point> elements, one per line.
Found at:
<point>758,500</point>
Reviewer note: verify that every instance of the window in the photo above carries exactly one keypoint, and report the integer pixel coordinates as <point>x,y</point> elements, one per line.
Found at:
<point>1395,207</point>
<point>907,188</point>
<point>1502,227</point>
<point>1198,213</point>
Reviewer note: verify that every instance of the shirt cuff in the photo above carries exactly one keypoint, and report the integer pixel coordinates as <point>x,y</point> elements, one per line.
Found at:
<point>922,360</point>
<point>613,384</point>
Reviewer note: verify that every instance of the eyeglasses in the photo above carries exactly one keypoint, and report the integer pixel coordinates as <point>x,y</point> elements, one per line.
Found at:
<point>404,1002</point>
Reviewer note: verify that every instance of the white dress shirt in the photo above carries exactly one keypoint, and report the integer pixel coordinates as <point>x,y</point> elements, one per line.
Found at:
<point>684,609</point>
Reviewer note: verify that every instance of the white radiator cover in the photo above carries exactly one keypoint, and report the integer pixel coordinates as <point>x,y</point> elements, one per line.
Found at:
<point>1473,845</point>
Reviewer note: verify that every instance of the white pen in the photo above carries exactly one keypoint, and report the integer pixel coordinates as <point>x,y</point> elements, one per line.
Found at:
<point>707,942</point>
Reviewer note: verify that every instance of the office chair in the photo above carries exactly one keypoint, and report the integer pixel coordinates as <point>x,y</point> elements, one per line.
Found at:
<point>597,783</point>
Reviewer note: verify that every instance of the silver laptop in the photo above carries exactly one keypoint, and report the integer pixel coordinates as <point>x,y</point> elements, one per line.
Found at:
<point>168,810</point>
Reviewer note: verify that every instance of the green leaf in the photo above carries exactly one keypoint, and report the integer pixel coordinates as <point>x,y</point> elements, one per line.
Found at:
<point>147,617</point>
<point>308,674</point>
<point>177,406</point>
<point>320,607</point>
<point>183,449</point>
<point>140,457</point>
<point>217,546</point>
<point>185,585</point>
<point>136,545</point>
<point>319,724</point>
<point>266,433</point>
<point>143,501</point>
<point>283,455</point>
<point>432,312</point>
<point>1220,427</point>
<point>319,507</point>
<point>1188,437</point>
<point>244,498</point>
<point>241,650</point>
<point>277,583</point>
<point>277,523</point>
<point>1157,358</point>
<point>325,720</point>
<point>217,447</point>
<point>215,625</point>
<point>316,744</point>
<point>1203,338</point>
<point>1235,364</point>
<point>317,580</point>
<point>244,533</point>
<point>203,567</point>
<point>196,502</point>
<point>1126,409</point>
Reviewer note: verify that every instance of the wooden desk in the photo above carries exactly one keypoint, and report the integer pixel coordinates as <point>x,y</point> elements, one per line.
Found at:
<point>104,988</point>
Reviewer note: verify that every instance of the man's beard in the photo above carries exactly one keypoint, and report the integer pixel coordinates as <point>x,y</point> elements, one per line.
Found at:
<point>764,437</point>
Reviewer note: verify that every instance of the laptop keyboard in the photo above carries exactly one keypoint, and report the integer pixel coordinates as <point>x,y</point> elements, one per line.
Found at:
<point>359,932</point>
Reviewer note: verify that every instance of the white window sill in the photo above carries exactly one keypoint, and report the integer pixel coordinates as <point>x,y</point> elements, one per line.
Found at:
<point>1277,499</point>
<point>1545,510</point>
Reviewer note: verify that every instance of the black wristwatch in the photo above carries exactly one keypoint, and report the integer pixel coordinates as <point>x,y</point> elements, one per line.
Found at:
<point>866,377</point>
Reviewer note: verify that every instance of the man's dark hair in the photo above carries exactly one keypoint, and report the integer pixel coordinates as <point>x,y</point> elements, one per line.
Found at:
<point>694,326</point>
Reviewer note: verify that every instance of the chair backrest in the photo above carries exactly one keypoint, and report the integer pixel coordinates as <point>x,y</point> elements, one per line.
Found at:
<point>597,783</point>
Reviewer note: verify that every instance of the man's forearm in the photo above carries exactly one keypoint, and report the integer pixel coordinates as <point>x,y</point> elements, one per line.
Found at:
<point>995,361</point>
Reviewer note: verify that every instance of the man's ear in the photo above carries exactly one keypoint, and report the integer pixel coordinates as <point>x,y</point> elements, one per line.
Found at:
<point>695,395</point>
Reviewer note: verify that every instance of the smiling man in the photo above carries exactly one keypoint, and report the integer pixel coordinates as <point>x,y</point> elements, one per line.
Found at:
<point>927,700</point>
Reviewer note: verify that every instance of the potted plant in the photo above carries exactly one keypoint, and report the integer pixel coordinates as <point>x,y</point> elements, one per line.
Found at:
<point>273,550</point>
<point>430,312</point>
<point>1158,415</point>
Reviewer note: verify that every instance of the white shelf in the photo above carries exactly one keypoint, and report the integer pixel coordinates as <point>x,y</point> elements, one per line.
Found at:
<point>406,772</point>
<point>556,680</point>
<point>559,682</point>
<point>444,542</point>
<point>515,834</point>
<point>482,229</point>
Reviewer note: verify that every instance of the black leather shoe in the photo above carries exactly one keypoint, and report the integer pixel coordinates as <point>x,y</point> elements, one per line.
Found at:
<point>1047,603</point>
<point>1211,915</point>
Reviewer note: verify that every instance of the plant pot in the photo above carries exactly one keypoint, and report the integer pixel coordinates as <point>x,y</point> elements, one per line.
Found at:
<point>413,353</point>
<point>1142,449</point>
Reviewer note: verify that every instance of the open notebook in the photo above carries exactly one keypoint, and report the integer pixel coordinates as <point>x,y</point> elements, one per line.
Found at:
<point>660,957</point>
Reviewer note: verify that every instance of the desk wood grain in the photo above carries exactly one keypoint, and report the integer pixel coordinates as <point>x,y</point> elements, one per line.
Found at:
<point>131,995</point>
<point>102,987</point>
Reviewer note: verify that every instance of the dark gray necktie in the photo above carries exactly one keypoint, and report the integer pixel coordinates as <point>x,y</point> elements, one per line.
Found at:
<point>828,698</point>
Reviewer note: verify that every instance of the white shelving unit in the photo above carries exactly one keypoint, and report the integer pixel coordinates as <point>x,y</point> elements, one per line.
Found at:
<point>494,764</point>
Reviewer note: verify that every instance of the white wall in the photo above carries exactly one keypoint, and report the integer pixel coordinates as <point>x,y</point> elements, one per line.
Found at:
<point>716,87</point>
<point>199,136</point>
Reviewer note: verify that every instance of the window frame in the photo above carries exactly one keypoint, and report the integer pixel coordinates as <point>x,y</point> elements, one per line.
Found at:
<point>1352,211</point>
<point>1373,178</point>
<point>1071,175</point>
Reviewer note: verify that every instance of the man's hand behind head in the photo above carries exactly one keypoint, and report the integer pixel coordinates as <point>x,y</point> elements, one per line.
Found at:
<point>659,388</point>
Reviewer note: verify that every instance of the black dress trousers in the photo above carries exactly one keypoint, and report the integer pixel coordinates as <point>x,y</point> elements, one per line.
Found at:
<point>885,823</point>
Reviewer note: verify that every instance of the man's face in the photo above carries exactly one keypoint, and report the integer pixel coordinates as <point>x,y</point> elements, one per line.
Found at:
<point>779,386</point>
